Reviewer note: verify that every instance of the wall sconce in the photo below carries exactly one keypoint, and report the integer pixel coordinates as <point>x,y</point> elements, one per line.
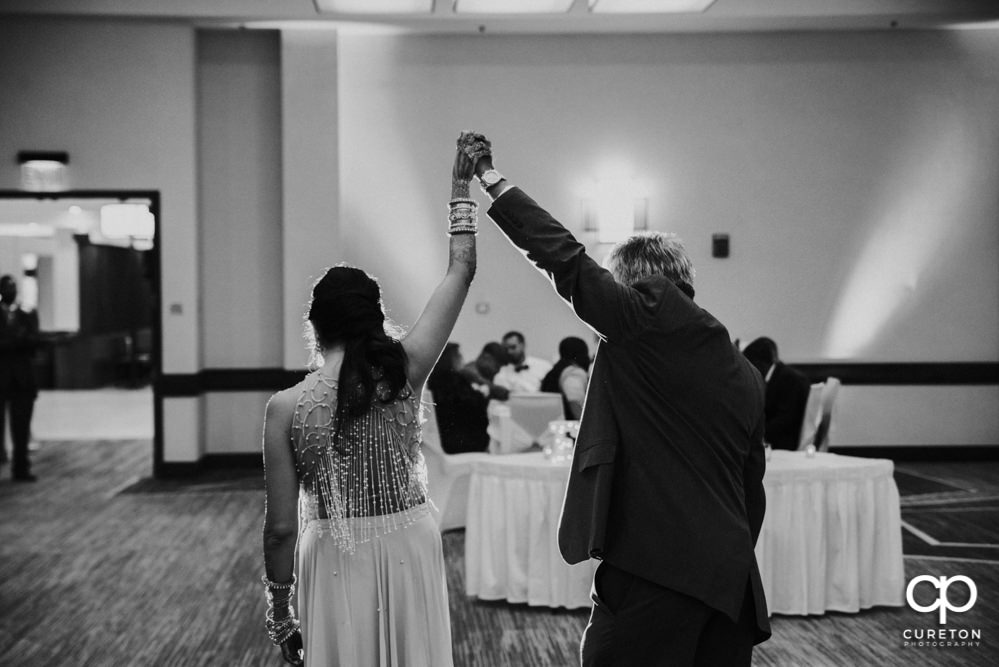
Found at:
<point>43,171</point>
<point>616,210</point>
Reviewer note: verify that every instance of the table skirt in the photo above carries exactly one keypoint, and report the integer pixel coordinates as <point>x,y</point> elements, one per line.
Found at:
<point>831,538</point>
<point>510,547</point>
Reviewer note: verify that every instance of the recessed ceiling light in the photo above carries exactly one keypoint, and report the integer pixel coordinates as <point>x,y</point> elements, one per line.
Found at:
<point>512,6</point>
<point>374,6</point>
<point>649,6</point>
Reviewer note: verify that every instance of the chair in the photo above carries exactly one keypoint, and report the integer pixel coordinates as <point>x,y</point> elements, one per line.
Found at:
<point>829,393</point>
<point>813,413</point>
<point>447,474</point>
<point>517,424</point>
<point>533,412</point>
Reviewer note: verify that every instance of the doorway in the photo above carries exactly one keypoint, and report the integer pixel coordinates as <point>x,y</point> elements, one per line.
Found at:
<point>87,262</point>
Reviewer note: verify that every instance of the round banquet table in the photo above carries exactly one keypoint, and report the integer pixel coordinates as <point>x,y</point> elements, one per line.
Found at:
<point>832,534</point>
<point>511,553</point>
<point>831,538</point>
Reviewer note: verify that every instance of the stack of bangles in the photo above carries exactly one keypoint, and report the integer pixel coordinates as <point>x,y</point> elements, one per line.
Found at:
<point>463,217</point>
<point>279,599</point>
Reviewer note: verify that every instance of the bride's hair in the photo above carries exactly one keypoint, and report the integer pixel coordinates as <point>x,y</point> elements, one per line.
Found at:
<point>346,309</point>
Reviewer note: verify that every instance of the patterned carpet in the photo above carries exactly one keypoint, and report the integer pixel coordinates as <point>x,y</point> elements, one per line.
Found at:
<point>99,566</point>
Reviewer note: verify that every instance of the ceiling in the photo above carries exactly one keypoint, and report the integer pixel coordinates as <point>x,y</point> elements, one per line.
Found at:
<point>720,16</point>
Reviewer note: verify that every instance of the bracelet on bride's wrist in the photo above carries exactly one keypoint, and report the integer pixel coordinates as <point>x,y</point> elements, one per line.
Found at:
<point>463,214</point>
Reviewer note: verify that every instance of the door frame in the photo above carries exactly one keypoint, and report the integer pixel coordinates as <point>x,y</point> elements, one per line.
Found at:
<point>157,325</point>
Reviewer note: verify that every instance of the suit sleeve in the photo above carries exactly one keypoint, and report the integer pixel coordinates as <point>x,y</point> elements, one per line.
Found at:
<point>756,498</point>
<point>613,310</point>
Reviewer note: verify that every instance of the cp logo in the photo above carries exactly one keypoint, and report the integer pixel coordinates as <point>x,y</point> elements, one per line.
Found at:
<point>943,601</point>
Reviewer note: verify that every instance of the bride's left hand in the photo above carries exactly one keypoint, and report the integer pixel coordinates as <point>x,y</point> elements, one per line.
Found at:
<point>291,649</point>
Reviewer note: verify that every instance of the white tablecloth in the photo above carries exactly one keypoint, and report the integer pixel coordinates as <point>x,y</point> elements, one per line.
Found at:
<point>832,535</point>
<point>510,548</point>
<point>831,539</point>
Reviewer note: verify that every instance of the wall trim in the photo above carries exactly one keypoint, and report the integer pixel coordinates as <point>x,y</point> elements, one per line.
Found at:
<point>174,385</point>
<point>886,374</point>
<point>918,373</point>
<point>922,452</point>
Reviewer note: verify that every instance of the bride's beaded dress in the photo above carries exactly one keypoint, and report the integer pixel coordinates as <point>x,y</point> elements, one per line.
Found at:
<point>371,582</point>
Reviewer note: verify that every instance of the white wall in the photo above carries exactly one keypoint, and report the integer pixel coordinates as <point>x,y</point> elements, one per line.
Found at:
<point>239,198</point>
<point>119,97</point>
<point>855,173</point>
<point>848,168</point>
<point>311,170</point>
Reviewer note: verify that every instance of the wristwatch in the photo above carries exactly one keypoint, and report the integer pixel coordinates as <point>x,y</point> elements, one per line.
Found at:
<point>489,178</point>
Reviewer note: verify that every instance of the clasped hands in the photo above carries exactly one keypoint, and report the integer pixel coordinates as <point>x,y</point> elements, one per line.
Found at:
<point>474,156</point>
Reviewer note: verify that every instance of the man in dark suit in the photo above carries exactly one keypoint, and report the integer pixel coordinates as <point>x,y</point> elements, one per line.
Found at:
<point>666,485</point>
<point>786,397</point>
<point>18,340</point>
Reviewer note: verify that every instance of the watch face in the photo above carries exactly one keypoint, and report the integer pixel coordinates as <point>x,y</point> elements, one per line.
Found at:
<point>491,178</point>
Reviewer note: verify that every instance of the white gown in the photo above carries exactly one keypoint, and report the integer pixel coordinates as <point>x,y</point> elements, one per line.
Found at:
<point>371,581</point>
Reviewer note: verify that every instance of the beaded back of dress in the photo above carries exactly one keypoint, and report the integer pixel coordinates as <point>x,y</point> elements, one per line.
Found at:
<point>356,482</point>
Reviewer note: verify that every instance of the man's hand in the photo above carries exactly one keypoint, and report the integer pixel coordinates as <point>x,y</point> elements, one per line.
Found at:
<point>291,649</point>
<point>478,149</point>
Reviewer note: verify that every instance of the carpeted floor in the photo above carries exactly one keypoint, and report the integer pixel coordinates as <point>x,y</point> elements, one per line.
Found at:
<point>99,566</point>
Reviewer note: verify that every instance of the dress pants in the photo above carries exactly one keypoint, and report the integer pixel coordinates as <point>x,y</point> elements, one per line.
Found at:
<point>21,407</point>
<point>636,622</point>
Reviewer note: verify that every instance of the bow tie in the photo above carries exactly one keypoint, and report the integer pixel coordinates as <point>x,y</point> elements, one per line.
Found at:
<point>521,367</point>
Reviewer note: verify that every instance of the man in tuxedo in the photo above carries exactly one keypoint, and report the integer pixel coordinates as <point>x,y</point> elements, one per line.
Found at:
<point>523,374</point>
<point>18,341</point>
<point>666,483</point>
<point>786,397</point>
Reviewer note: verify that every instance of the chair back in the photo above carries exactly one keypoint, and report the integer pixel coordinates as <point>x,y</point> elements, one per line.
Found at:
<point>829,393</point>
<point>447,474</point>
<point>534,411</point>
<point>813,413</point>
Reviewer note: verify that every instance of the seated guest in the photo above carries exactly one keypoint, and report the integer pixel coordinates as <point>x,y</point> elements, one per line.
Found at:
<point>523,374</point>
<point>569,374</point>
<point>787,394</point>
<point>482,371</point>
<point>461,408</point>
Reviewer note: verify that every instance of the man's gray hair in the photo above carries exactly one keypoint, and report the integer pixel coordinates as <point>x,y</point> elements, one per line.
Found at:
<point>651,254</point>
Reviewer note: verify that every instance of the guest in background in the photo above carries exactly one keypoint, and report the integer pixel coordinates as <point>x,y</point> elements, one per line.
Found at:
<point>666,482</point>
<point>482,371</point>
<point>461,408</point>
<point>523,374</point>
<point>18,390</point>
<point>569,375</point>
<point>787,394</point>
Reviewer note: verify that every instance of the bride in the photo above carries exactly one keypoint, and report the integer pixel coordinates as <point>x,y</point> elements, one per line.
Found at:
<point>345,477</point>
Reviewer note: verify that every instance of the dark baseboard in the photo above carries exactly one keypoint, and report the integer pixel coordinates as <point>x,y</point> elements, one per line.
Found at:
<point>168,470</point>
<point>923,452</point>
<point>945,373</point>
<point>210,462</point>
<point>227,379</point>
<point>232,461</point>
<point>884,374</point>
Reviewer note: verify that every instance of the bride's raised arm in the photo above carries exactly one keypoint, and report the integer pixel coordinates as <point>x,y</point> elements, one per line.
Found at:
<point>427,337</point>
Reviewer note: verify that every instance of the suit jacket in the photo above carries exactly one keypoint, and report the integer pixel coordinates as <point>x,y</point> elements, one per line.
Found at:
<point>787,395</point>
<point>18,341</point>
<point>667,473</point>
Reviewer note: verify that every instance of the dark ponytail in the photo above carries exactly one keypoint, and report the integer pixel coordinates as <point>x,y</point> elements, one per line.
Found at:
<point>346,309</point>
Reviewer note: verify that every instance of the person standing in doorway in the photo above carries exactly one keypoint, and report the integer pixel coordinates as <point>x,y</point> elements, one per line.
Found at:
<point>18,389</point>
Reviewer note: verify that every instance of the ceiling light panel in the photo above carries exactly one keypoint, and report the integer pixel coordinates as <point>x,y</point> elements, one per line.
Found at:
<point>374,6</point>
<point>649,6</point>
<point>512,6</point>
